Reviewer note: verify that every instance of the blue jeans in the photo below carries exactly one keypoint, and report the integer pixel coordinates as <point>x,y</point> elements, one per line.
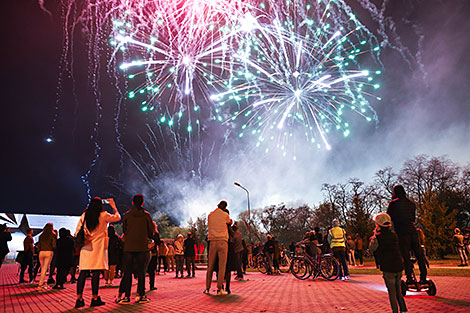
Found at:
<point>392,281</point>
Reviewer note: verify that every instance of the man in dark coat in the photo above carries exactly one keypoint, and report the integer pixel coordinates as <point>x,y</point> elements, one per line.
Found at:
<point>64,257</point>
<point>190,254</point>
<point>5,236</point>
<point>403,214</point>
<point>138,229</point>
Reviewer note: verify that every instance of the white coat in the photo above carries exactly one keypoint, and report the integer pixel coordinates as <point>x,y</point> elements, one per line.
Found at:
<point>94,254</point>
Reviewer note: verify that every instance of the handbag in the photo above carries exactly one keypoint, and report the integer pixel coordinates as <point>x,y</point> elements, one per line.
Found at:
<point>80,239</point>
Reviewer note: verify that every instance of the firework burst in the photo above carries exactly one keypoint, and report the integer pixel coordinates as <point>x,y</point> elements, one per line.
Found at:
<point>299,73</point>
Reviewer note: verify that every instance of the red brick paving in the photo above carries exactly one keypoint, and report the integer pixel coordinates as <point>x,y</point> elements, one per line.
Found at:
<point>259,293</point>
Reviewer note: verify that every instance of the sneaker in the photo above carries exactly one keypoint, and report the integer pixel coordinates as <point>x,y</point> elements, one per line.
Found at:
<point>340,278</point>
<point>97,302</point>
<point>51,281</point>
<point>222,292</point>
<point>22,281</point>
<point>462,264</point>
<point>347,277</point>
<point>153,288</point>
<point>206,291</point>
<point>143,299</point>
<point>79,303</point>
<point>124,300</point>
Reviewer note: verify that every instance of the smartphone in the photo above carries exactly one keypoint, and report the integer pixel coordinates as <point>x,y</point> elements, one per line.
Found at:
<point>105,201</point>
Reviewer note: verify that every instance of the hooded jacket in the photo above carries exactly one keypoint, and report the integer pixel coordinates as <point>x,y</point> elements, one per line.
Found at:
<point>138,228</point>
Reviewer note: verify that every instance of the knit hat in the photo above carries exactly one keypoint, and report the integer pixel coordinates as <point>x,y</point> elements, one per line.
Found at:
<point>383,219</point>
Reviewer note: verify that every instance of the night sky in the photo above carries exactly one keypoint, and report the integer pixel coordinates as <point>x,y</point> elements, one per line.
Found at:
<point>425,109</point>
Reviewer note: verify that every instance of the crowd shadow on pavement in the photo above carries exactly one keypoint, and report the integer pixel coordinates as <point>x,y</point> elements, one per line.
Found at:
<point>455,302</point>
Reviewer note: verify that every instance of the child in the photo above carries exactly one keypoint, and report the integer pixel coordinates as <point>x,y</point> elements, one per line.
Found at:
<point>384,243</point>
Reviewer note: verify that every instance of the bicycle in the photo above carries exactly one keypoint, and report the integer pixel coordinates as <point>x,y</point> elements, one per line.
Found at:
<point>285,262</point>
<point>304,266</point>
<point>261,263</point>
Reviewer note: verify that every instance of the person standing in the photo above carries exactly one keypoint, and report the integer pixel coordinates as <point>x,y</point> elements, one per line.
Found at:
<point>153,258</point>
<point>114,246</point>
<point>238,249</point>
<point>402,211</point>
<point>46,246</point>
<point>94,253</point>
<point>351,245</point>
<point>170,257</point>
<point>27,262</point>
<point>268,250</point>
<point>162,253</point>
<point>64,257</point>
<point>179,255</point>
<point>5,236</point>
<point>190,254</point>
<point>460,247</point>
<point>249,251</point>
<point>359,249</point>
<point>337,240</point>
<point>138,229</point>
<point>384,243</point>
<point>218,240</point>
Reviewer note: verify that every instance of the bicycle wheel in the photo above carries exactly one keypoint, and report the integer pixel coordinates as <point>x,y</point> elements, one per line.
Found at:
<point>300,268</point>
<point>284,264</point>
<point>261,265</point>
<point>329,267</point>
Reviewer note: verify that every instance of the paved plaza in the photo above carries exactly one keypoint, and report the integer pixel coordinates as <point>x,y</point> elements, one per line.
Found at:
<point>257,293</point>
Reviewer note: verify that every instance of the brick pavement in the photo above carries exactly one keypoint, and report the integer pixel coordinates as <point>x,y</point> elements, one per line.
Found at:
<point>259,293</point>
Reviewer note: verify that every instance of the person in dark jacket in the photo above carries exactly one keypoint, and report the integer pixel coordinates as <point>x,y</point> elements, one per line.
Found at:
<point>238,248</point>
<point>5,236</point>
<point>153,258</point>
<point>27,262</point>
<point>138,228</point>
<point>114,248</point>
<point>384,243</point>
<point>64,257</point>
<point>402,211</point>
<point>190,254</point>
<point>232,261</point>
<point>269,251</point>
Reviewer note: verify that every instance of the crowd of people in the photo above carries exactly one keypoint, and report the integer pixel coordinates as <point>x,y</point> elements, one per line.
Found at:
<point>97,250</point>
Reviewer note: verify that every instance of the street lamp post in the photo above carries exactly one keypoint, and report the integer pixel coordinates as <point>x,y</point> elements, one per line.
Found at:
<point>247,196</point>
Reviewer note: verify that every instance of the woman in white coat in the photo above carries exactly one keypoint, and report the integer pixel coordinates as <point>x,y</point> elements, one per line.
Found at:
<point>94,254</point>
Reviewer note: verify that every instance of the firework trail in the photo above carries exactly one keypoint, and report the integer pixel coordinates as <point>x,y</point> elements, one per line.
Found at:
<point>275,71</point>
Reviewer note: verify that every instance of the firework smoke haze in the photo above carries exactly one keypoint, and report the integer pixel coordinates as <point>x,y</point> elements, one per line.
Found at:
<point>177,109</point>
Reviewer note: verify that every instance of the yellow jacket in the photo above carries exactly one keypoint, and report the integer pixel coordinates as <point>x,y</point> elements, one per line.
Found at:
<point>336,237</point>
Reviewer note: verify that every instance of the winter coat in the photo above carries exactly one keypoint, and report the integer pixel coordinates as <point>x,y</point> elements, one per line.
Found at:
<point>94,254</point>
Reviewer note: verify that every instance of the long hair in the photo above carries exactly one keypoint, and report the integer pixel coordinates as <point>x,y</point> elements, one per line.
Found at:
<point>47,232</point>
<point>92,213</point>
